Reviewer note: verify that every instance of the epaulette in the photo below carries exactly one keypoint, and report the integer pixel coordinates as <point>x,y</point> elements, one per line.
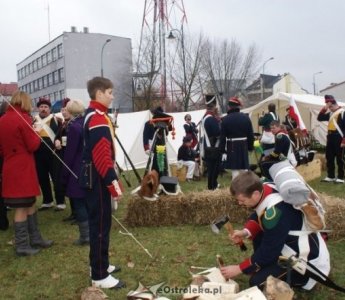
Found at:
<point>98,119</point>
<point>279,136</point>
<point>99,112</point>
<point>271,217</point>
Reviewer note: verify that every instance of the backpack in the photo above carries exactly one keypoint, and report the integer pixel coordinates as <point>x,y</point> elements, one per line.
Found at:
<point>295,191</point>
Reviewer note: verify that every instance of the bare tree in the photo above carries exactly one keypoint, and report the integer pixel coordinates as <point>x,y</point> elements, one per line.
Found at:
<point>146,89</point>
<point>227,67</point>
<point>184,74</point>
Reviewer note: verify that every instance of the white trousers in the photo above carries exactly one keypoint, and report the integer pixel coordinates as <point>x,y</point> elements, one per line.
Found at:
<point>191,167</point>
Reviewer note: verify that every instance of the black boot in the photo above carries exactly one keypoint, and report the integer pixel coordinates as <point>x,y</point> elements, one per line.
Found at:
<point>22,244</point>
<point>84,238</point>
<point>35,235</point>
<point>3,215</point>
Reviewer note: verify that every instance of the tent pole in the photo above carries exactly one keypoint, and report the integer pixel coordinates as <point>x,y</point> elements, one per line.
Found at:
<point>129,160</point>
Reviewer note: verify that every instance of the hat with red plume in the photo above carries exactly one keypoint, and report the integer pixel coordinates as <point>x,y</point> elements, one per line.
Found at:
<point>234,101</point>
<point>330,99</point>
<point>42,101</point>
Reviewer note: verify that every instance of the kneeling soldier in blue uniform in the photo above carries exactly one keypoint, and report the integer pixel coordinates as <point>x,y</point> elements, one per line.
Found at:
<point>276,229</point>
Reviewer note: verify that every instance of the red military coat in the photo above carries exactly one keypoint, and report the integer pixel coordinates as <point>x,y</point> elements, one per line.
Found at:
<point>18,142</point>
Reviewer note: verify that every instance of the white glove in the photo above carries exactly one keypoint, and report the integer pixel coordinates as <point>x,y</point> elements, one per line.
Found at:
<point>115,189</point>
<point>224,157</point>
<point>114,204</point>
<point>147,152</point>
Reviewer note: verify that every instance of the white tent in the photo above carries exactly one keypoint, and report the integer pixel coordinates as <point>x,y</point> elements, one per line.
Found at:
<point>131,125</point>
<point>308,106</point>
<point>130,134</point>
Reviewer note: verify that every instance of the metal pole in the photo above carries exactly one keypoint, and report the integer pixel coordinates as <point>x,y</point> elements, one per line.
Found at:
<point>184,90</point>
<point>262,78</point>
<point>314,84</point>
<point>106,42</point>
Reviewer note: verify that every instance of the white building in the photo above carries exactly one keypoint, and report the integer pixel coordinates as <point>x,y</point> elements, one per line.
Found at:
<point>62,67</point>
<point>288,84</point>
<point>335,89</point>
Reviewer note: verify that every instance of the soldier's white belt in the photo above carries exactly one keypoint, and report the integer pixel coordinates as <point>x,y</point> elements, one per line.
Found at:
<point>236,139</point>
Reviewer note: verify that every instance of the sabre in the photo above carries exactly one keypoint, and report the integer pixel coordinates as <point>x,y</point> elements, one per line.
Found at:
<point>132,236</point>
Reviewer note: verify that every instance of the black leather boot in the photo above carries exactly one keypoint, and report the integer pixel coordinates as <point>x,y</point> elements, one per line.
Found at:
<point>84,238</point>
<point>36,239</point>
<point>23,247</point>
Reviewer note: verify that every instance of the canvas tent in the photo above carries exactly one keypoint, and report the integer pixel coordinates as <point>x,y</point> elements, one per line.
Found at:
<point>308,106</point>
<point>130,134</point>
<point>131,125</point>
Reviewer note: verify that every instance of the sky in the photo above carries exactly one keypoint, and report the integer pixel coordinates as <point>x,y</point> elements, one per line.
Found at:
<point>305,37</point>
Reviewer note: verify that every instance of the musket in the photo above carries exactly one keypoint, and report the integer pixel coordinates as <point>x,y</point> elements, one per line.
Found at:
<point>123,175</point>
<point>129,160</point>
<point>306,268</point>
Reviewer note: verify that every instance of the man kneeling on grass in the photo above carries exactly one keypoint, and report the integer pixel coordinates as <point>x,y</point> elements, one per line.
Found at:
<point>276,229</point>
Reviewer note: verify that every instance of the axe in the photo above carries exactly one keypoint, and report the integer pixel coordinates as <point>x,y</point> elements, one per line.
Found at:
<point>217,225</point>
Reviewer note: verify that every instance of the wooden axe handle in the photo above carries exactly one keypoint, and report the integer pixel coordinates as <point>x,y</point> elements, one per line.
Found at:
<point>230,230</point>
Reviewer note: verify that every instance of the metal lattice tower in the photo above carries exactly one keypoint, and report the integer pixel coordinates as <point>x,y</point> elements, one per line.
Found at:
<point>159,18</point>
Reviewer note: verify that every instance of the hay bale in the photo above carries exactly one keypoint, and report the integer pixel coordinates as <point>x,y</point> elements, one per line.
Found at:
<point>322,158</point>
<point>310,171</point>
<point>202,208</point>
<point>335,213</point>
<point>191,208</point>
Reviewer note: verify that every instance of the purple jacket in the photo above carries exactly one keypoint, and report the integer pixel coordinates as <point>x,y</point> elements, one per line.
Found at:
<point>73,157</point>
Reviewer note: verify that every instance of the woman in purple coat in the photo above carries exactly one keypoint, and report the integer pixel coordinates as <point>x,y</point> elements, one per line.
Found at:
<point>72,158</point>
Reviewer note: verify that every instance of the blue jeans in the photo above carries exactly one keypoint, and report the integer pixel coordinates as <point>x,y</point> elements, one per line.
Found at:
<point>79,209</point>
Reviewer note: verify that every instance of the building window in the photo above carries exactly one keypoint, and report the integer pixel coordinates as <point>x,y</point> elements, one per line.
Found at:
<point>56,96</point>
<point>60,50</point>
<point>29,70</point>
<point>35,85</point>
<point>40,83</point>
<point>18,75</point>
<point>56,77</point>
<point>62,94</point>
<point>34,66</point>
<point>44,81</point>
<point>50,79</point>
<point>54,54</point>
<point>44,60</point>
<point>49,57</point>
<point>32,87</point>
<point>61,75</point>
<point>39,63</point>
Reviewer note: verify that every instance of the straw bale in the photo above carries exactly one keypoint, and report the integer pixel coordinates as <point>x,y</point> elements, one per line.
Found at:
<point>191,208</point>
<point>335,215</point>
<point>322,158</point>
<point>202,208</point>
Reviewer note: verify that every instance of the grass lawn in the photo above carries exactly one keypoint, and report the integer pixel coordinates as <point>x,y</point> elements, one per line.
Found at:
<point>62,271</point>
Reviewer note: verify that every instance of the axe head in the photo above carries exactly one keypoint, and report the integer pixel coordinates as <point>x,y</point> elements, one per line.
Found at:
<point>218,223</point>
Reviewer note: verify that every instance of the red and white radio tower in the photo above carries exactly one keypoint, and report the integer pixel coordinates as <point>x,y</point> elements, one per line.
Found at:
<point>160,18</point>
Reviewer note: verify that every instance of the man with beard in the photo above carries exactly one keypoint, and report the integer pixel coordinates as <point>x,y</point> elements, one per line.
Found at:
<point>47,126</point>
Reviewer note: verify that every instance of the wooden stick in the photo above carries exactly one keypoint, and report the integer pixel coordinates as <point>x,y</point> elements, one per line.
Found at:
<point>230,230</point>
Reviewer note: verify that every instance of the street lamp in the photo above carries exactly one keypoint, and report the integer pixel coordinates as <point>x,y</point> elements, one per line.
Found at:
<point>314,85</point>
<point>172,37</point>
<point>106,42</point>
<point>262,78</point>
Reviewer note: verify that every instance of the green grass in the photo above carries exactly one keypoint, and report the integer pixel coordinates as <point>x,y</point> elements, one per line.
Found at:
<point>62,272</point>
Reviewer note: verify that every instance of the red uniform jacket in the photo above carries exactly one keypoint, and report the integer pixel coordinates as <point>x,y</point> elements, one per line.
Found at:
<point>18,142</point>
